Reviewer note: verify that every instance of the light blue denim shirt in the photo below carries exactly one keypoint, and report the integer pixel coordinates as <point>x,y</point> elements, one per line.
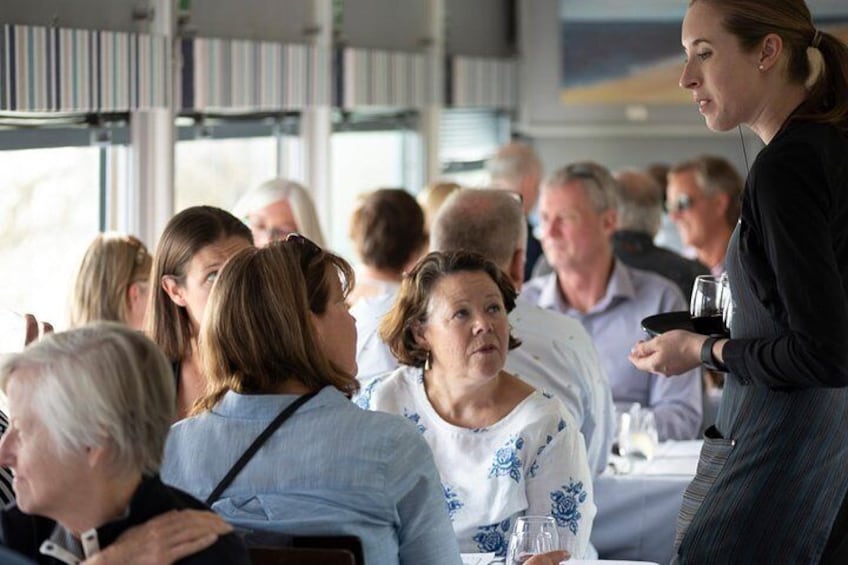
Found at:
<point>332,468</point>
<point>615,324</point>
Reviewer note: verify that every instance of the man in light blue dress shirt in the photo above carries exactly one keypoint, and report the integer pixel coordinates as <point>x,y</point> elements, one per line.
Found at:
<point>578,216</point>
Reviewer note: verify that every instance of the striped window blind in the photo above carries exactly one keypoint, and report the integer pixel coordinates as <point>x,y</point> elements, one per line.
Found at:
<point>242,75</point>
<point>373,77</point>
<point>483,82</point>
<point>72,70</point>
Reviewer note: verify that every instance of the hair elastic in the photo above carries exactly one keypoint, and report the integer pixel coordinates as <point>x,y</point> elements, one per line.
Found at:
<point>816,39</point>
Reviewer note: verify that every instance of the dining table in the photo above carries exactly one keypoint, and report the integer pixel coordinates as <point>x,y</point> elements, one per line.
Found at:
<point>638,502</point>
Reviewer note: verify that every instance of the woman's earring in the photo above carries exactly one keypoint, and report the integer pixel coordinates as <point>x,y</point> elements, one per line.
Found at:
<point>761,67</point>
<point>427,366</point>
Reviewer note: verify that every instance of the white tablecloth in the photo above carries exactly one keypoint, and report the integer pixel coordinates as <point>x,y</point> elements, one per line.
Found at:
<point>637,512</point>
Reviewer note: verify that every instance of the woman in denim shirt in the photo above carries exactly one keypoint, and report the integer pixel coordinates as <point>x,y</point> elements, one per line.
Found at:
<point>277,327</point>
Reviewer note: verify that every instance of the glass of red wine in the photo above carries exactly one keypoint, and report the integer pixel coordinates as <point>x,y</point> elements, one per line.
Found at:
<point>707,305</point>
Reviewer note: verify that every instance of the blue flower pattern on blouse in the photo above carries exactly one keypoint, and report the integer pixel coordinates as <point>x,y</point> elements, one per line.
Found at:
<point>364,398</point>
<point>415,419</point>
<point>492,539</point>
<point>507,461</point>
<point>566,503</point>
<point>534,467</point>
<point>452,500</point>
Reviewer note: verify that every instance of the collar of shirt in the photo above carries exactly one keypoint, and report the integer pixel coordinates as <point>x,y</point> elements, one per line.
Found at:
<point>267,406</point>
<point>620,287</point>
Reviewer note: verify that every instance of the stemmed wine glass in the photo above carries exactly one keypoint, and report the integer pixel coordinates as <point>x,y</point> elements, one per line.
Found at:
<point>531,536</point>
<point>707,305</point>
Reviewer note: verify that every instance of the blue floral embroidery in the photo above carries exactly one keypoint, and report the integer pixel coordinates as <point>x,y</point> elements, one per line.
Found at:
<point>547,394</point>
<point>534,467</point>
<point>452,500</point>
<point>415,419</point>
<point>561,425</point>
<point>364,398</point>
<point>492,539</point>
<point>565,507</point>
<point>506,460</point>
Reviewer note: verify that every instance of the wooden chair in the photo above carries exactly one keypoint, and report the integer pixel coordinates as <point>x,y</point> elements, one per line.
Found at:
<point>300,556</point>
<point>281,549</point>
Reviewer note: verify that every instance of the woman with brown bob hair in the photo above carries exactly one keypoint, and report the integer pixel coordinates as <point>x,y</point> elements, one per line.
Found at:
<point>503,448</point>
<point>277,332</point>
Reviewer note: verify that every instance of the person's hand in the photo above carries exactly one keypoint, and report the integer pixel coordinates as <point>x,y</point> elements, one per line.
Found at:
<point>164,539</point>
<point>549,558</point>
<point>35,329</point>
<point>671,353</point>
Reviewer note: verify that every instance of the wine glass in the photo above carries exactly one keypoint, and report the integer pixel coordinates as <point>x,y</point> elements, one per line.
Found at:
<point>707,305</point>
<point>531,536</point>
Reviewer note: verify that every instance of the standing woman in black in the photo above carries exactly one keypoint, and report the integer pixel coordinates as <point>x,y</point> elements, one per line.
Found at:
<point>772,481</point>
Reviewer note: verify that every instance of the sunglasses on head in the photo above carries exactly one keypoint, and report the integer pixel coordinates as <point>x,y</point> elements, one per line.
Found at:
<point>679,204</point>
<point>308,249</point>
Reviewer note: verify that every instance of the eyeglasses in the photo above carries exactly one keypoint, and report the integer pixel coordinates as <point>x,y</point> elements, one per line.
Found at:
<point>680,204</point>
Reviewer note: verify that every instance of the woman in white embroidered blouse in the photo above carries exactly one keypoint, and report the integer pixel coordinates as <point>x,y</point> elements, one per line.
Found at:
<point>503,449</point>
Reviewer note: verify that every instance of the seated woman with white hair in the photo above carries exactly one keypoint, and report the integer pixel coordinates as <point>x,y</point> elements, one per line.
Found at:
<point>277,208</point>
<point>89,411</point>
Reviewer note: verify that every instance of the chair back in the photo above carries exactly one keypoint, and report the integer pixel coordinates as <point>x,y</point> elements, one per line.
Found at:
<point>304,548</point>
<point>300,556</point>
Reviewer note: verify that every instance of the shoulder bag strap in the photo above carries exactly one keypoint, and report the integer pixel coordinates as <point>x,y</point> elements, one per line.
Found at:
<point>257,443</point>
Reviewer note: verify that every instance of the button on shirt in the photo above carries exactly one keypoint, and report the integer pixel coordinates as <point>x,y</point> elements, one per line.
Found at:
<point>331,469</point>
<point>615,326</point>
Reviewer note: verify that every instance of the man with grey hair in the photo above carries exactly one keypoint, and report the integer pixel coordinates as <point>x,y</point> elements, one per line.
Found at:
<point>556,355</point>
<point>639,219</point>
<point>516,168</point>
<point>578,211</point>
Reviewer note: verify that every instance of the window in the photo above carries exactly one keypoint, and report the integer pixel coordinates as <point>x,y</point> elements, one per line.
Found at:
<point>363,161</point>
<point>218,160</point>
<point>49,212</point>
<point>218,171</point>
<point>467,139</point>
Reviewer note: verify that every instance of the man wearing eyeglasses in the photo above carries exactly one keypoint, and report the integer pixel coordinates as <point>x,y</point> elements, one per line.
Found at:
<point>704,200</point>
<point>578,214</point>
